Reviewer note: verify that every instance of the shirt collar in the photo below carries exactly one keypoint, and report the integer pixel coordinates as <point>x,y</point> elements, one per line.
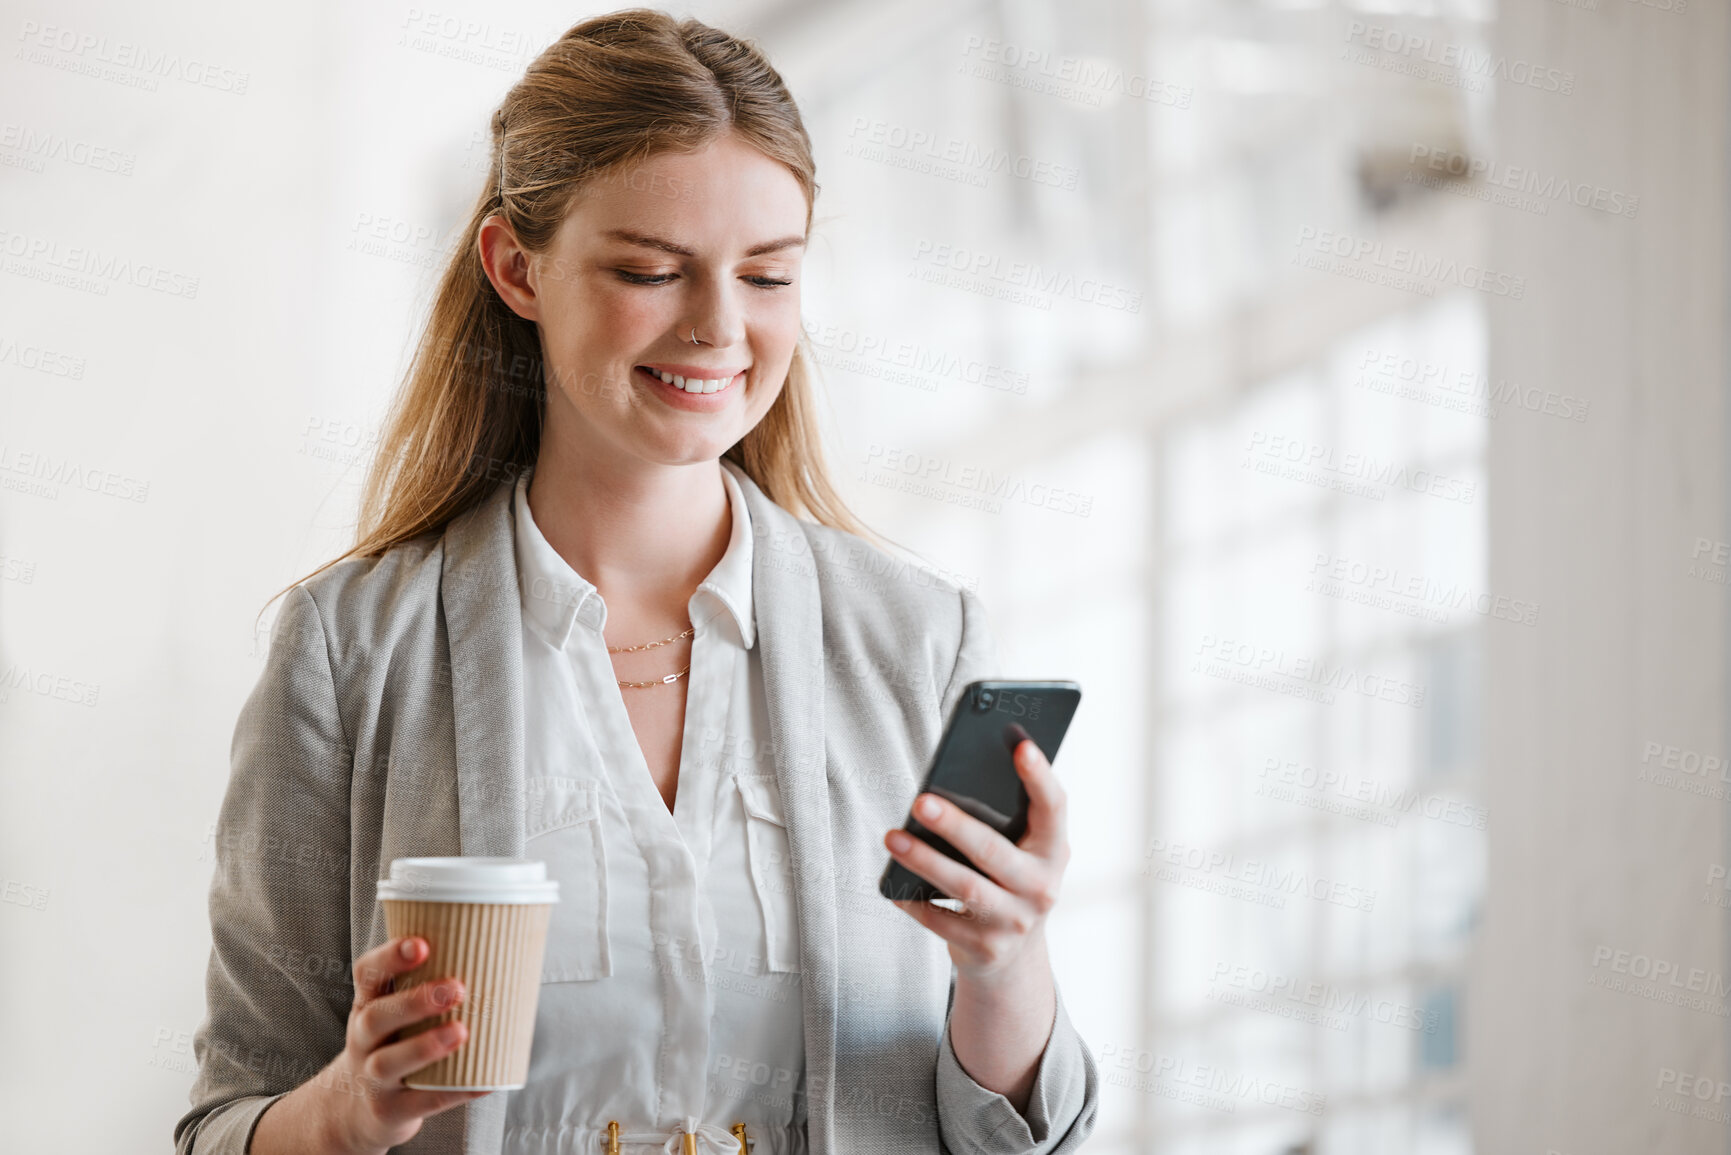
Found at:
<point>730,580</point>
<point>555,596</point>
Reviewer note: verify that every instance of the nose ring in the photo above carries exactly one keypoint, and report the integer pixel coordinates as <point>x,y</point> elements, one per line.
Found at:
<point>694,340</point>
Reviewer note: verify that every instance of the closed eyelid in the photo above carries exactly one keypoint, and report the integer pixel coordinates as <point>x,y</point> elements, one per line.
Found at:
<point>636,270</point>
<point>638,265</point>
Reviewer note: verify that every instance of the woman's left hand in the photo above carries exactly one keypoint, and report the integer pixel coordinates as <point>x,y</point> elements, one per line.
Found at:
<point>1015,886</point>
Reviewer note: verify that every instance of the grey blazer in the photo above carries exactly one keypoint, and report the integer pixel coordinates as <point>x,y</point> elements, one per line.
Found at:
<point>388,722</point>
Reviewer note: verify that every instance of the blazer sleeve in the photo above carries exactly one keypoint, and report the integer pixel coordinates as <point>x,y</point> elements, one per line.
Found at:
<point>1066,1094</point>
<point>279,982</point>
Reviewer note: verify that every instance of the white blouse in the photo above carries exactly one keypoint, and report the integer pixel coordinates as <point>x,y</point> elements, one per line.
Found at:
<point>670,996</point>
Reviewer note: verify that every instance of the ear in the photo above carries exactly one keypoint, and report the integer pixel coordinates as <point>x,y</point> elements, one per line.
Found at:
<point>507,266</point>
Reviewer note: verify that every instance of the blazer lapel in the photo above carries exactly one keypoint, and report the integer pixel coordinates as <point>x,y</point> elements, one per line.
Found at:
<point>483,623</point>
<point>784,580</point>
<point>483,620</point>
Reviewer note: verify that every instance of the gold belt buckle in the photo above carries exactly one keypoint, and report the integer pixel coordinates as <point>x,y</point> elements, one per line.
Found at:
<point>690,1142</point>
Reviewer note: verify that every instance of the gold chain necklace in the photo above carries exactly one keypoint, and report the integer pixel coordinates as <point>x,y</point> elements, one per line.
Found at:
<point>650,645</point>
<point>670,678</point>
<point>667,681</point>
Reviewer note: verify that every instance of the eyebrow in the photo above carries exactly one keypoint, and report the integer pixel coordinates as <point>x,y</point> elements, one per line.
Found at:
<point>649,241</point>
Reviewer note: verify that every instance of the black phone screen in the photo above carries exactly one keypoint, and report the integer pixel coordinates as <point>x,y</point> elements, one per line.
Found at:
<point>974,766</point>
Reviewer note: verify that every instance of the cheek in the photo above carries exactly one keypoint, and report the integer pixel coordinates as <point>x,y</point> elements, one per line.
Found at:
<point>597,321</point>
<point>761,400</point>
<point>777,331</point>
<point>624,312</point>
<point>775,340</point>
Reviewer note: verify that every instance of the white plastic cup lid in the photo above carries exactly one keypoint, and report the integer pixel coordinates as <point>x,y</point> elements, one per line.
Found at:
<point>518,881</point>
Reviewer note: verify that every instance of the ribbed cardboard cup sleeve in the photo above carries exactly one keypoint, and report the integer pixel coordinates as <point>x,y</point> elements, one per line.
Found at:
<point>495,949</point>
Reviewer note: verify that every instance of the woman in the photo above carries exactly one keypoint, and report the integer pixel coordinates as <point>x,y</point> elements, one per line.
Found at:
<point>582,624</point>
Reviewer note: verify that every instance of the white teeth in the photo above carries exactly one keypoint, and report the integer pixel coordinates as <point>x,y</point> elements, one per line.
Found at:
<point>692,384</point>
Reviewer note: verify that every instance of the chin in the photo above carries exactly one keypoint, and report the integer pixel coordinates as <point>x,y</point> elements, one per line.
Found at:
<point>687,450</point>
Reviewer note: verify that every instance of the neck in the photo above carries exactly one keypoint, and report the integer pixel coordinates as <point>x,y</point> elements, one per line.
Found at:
<point>645,534</point>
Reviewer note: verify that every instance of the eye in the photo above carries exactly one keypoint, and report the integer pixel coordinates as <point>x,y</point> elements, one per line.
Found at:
<point>767,282</point>
<point>631,278</point>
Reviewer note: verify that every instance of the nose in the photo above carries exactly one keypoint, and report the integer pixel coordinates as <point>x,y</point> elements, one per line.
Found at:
<point>717,313</point>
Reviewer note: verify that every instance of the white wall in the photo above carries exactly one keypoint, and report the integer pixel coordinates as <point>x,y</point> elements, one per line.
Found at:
<point>1599,520</point>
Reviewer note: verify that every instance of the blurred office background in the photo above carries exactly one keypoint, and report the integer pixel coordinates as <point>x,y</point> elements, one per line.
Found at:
<point>1336,390</point>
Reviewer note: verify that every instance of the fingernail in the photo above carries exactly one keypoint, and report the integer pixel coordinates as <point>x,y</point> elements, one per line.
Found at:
<point>450,992</point>
<point>407,950</point>
<point>900,842</point>
<point>928,807</point>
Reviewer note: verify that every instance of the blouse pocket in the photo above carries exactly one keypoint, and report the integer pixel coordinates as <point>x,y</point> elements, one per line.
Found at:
<point>771,871</point>
<point>563,829</point>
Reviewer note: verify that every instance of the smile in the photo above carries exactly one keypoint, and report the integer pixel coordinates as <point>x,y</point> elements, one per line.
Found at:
<point>693,378</point>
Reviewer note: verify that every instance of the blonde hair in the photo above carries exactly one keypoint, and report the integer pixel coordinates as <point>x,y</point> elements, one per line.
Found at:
<point>604,97</point>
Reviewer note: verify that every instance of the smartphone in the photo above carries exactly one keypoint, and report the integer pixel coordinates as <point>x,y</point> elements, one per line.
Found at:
<point>974,765</point>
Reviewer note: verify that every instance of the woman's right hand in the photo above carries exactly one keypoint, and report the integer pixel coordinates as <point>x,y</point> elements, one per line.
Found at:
<point>358,1105</point>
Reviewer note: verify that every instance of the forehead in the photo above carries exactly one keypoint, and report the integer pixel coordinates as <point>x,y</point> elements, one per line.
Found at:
<point>723,195</point>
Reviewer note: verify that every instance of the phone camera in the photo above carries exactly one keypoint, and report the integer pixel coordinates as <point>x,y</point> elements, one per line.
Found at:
<point>983,700</point>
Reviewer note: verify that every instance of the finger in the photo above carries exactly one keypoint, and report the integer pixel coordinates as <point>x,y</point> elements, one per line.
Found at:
<point>961,929</point>
<point>1046,801</point>
<point>374,970</point>
<point>388,1014</point>
<point>979,893</point>
<point>992,854</point>
<point>387,1065</point>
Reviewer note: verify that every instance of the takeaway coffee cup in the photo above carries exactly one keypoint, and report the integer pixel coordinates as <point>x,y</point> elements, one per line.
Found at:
<point>486,922</point>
